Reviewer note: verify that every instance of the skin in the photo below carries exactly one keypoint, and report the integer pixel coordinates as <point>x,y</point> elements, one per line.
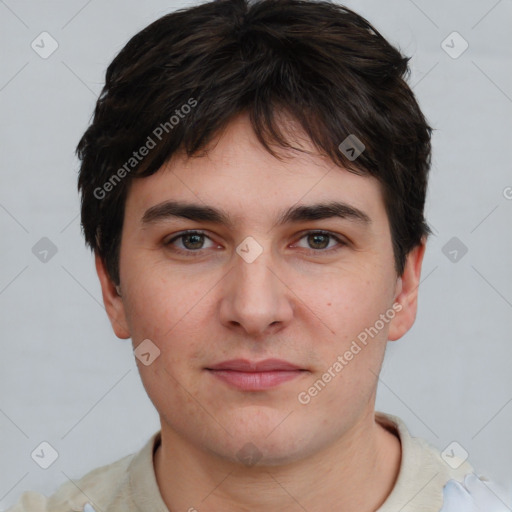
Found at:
<point>300,301</point>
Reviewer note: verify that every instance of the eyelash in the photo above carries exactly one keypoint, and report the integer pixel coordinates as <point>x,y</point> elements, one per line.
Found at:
<point>196,253</point>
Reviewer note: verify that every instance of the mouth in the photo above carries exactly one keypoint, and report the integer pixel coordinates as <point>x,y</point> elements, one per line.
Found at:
<point>255,376</point>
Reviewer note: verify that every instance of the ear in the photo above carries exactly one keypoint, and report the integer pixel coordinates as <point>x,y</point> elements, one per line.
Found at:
<point>406,298</point>
<point>113,301</point>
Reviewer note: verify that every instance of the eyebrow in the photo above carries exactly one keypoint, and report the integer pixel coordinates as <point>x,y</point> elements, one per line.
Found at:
<point>294,214</point>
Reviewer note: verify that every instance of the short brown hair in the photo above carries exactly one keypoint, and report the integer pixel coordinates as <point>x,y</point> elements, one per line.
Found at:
<point>186,75</point>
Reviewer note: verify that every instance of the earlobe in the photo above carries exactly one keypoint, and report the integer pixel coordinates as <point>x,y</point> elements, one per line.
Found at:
<point>407,293</point>
<point>112,300</point>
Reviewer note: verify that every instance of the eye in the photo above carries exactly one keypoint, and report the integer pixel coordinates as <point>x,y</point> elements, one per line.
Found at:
<point>189,242</point>
<point>318,241</point>
<point>192,243</point>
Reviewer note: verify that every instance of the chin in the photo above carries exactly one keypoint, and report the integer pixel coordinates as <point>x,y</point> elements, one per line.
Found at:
<point>258,448</point>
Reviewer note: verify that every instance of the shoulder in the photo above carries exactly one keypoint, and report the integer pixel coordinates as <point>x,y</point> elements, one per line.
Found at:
<point>73,495</point>
<point>424,471</point>
<point>100,487</point>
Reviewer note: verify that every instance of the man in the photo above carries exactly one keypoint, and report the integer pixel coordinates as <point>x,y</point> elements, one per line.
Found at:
<point>253,186</point>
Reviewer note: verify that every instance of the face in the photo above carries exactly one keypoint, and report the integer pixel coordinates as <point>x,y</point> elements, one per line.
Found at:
<point>252,284</point>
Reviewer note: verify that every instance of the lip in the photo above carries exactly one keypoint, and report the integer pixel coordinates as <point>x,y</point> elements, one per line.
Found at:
<point>255,376</point>
<point>243,365</point>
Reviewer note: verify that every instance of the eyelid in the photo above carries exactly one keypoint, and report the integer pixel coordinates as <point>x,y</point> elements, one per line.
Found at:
<point>175,236</point>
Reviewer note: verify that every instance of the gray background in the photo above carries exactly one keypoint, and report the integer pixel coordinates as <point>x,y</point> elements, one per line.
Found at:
<point>66,379</point>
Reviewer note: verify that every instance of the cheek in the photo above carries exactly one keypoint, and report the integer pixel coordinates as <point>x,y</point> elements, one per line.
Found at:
<point>159,300</point>
<point>354,354</point>
<point>175,314</point>
<point>351,305</point>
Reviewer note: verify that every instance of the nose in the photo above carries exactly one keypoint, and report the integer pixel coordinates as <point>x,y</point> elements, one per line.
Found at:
<point>255,297</point>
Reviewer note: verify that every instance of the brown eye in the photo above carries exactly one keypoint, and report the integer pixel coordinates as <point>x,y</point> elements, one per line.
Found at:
<point>189,243</point>
<point>321,241</point>
<point>318,240</point>
<point>193,241</point>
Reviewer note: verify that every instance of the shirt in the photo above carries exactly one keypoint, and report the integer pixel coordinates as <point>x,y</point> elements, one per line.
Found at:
<point>130,485</point>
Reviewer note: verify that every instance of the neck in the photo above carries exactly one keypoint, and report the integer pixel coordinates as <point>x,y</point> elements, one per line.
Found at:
<point>357,473</point>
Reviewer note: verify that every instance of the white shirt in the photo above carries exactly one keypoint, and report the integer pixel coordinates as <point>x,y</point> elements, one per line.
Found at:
<point>129,484</point>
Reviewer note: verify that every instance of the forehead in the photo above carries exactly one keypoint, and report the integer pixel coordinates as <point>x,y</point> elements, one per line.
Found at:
<point>238,176</point>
